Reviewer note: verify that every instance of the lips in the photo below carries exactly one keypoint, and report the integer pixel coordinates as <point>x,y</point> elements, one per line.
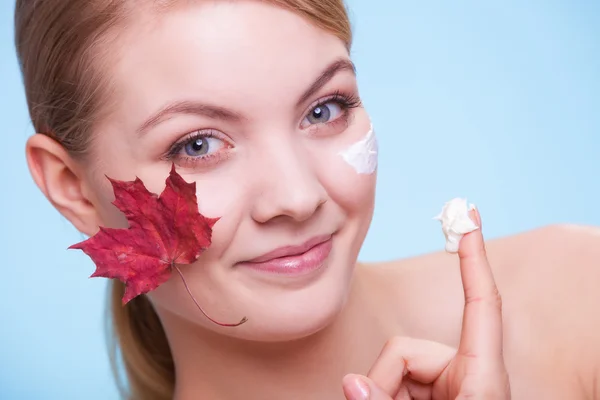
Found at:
<point>288,251</point>
<point>303,260</point>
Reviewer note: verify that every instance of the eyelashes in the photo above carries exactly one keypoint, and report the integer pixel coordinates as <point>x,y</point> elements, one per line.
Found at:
<point>345,102</point>
<point>348,101</point>
<point>205,148</point>
<point>202,142</point>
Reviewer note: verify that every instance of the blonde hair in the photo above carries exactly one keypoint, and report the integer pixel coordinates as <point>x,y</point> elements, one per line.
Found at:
<point>61,46</point>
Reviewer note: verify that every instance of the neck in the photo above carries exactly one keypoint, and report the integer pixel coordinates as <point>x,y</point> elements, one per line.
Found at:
<point>223,368</point>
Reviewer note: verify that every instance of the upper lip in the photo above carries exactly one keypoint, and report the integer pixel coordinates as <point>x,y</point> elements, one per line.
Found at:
<point>287,251</point>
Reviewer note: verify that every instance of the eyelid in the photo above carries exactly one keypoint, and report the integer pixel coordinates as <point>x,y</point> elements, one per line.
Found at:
<point>176,147</point>
<point>338,95</point>
<point>347,101</point>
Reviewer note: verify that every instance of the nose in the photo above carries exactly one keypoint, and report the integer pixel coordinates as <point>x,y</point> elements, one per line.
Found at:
<point>288,186</point>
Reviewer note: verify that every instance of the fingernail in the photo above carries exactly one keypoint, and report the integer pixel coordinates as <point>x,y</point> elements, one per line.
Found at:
<point>360,390</point>
<point>475,214</point>
<point>478,217</point>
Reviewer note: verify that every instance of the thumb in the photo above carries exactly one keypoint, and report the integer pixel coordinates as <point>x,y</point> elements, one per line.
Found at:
<point>358,387</point>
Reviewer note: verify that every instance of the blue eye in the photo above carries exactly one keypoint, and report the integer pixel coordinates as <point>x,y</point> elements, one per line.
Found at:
<point>324,113</point>
<point>201,148</point>
<point>202,145</point>
<point>196,147</point>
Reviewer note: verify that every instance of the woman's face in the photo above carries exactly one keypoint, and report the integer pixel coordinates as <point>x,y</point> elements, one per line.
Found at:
<point>255,105</point>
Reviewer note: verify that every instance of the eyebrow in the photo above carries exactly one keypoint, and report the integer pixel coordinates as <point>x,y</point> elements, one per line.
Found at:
<point>342,64</point>
<point>215,112</point>
<point>188,107</point>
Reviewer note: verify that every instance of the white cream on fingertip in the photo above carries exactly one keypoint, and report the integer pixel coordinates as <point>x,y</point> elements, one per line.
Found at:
<point>362,155</point>
<point>456,222</point>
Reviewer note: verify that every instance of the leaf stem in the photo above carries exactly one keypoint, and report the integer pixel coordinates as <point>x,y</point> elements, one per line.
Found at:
<point>198,305</point>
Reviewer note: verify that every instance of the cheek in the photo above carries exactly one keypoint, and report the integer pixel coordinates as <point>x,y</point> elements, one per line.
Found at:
<point>102,198</point>
<point>355,193</point>
<point>226,200</point>
<point>348,170</point>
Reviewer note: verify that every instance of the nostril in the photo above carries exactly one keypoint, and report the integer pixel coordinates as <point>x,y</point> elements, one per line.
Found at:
<point>298,207</point>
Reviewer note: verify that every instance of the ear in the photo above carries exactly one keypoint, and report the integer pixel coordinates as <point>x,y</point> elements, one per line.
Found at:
<point>60,179</point>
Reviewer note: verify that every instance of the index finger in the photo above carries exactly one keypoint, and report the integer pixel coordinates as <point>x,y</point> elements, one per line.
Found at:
<point>482,318</point>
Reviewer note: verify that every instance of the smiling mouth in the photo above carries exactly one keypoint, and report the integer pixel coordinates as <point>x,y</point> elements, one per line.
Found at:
<point>294,260</point>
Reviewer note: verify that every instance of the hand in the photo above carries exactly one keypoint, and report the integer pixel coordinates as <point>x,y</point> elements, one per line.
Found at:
<point>419,369</point>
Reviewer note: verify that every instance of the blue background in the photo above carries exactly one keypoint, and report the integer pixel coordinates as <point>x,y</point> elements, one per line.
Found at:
<point>514,85</point>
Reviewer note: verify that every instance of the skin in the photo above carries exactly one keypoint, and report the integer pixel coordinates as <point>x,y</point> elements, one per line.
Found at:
<point>278,180</point>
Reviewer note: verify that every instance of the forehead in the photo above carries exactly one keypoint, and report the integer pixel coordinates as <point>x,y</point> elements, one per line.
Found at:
<point>220,51</point>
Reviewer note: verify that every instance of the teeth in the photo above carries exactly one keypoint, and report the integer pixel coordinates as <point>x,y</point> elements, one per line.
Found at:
<point>455,222</point>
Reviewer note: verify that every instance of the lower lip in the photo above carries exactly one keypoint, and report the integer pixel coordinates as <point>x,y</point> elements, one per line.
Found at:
<point>300,264</point>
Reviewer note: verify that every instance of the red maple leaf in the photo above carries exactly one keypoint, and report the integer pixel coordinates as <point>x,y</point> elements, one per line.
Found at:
<point>164,231</point>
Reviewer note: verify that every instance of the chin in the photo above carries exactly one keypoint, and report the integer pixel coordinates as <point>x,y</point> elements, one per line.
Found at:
<point>280,307</point>
<point>296,318</point>
<point>289,312</point>
<point>285,319</point>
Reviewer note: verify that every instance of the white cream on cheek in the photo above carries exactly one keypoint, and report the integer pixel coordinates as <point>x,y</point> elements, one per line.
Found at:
<point>362,155</point>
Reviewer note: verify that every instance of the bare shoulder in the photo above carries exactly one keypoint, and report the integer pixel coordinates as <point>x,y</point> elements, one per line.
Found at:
<point>549,280</point>
<point>579,244</point>
<point>543,262</point>
<point>562,275</point>
<point>558,265</point>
